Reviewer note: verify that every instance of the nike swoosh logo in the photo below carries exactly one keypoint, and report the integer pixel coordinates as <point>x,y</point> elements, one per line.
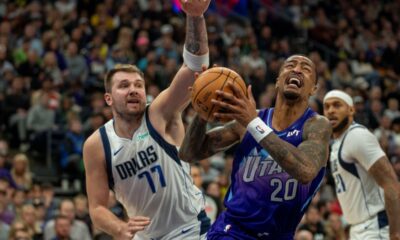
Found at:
<point>186,230</point>
<point>116,152</point>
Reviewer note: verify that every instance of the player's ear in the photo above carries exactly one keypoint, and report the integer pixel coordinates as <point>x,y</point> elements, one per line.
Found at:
<point>352,110</point>
<point>108,99</point>
<point>314,90</point>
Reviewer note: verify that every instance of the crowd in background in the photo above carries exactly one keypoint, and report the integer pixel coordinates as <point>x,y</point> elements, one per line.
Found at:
<point>54,55</point>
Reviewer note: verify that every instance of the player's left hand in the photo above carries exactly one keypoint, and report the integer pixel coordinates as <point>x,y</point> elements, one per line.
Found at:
<point>236,106</point>
<point>195,8</point>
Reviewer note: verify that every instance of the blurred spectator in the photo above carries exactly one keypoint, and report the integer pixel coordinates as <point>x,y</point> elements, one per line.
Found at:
<point>40,213</point>
<point>304,235</point>
<point>364,115</point>
<point>17,104</point>
<point>4,230</point>
<point>313,223</point>
<point>341,76</point>
<point>211,206</point>
<point>62,228</point>
<point>65,6</point>
<point>396,130</point>
<point>79,230</point>
<point>95,121</point>
<point>76,64</point>
<point>392,110</point>
<point>82,210</point>
<point>6,215</point>
<point>208,173</point>
<point>18,200</point>
<point>30,70</point>
<point>21,172</point>
<point>50,203</point>
<point>40,122</point>
<point>71,149</point>
<point>335,227</point>
<point>50,68</point>
<point>28,217</point>
<point>19,231</point>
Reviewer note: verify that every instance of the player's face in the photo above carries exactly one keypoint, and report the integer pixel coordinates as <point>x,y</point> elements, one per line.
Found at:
<point>297,79</point>
<point>339,113</point>
<point>128,95</point>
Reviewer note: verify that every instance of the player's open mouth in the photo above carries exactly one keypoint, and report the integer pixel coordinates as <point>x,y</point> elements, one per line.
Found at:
<point>294,81</point>
<point>133,101</point>
<point>332,120</point>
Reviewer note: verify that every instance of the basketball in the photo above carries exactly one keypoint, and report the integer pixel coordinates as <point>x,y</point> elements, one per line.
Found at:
<point>216,78</point>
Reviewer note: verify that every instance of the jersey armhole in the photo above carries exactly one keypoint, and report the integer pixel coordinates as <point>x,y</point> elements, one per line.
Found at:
<point>107,153</point>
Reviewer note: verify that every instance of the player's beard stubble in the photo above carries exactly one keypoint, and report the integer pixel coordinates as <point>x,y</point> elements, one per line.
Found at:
<point>342,125</point>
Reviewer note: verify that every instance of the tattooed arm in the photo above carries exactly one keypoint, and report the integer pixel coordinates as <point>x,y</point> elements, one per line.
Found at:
<point>199,144</point>
<point>385,176</point>
<point>172,101</point>
<point>304,162</point>
<point>166,109</point>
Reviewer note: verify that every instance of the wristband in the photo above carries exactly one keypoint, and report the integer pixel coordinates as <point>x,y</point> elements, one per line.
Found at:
<point>195,62</point>
<point>258,129</point>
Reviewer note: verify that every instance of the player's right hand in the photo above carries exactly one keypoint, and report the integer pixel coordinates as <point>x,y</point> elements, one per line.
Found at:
<point>130,228</point>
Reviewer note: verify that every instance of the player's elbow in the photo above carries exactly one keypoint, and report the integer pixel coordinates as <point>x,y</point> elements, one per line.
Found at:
<point>307,177</point>
<point>304,180</point>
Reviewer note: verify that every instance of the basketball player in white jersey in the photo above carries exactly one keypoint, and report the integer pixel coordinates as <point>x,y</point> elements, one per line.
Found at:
<point>135,154</point>
<point>366,184</point>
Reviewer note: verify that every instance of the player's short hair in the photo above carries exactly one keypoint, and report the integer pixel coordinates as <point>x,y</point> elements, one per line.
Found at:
<point>128,68</point>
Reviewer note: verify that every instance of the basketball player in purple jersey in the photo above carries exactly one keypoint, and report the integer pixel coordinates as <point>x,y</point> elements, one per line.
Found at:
<point>280,161</point>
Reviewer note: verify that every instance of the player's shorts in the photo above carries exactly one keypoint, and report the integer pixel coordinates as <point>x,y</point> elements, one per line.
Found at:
<point>376,227</point>
<point>225,229</point>
<point>195,230</point>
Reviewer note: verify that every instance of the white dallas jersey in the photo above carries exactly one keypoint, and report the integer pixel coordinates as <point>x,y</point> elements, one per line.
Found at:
<point>150,180</point>
<point>352,155</point>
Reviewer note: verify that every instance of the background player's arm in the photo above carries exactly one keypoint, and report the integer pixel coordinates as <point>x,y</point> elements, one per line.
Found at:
<point>199,144</point>
<point>302,162</point>
<point>176,97</point>
<point>383,173</point>
<point>98,193</point>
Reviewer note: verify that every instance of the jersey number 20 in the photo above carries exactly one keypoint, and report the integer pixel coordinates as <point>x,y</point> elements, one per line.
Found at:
<point>289,189</point>
<point>156,169</point>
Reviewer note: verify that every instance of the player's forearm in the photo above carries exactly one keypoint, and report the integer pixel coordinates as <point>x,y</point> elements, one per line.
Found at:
<point>290,158</point>
<point>106,221</point>
<point>194,144</point>
<point>392,202</point>
<point>196,41</point>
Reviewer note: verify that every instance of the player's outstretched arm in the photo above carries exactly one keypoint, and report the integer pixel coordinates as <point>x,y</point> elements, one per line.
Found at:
<point>98,194</point>
<point>199,144</point>
<point>303,162</point>
<point>383,173</point>
<point>195,54</point>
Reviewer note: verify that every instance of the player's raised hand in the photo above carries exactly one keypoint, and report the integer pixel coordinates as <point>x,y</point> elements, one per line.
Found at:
<point>134,225</point>
<point>236,106</point>
<point>195,8</point>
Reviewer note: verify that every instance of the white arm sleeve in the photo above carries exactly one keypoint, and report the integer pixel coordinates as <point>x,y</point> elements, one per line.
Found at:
<point>362,146</point>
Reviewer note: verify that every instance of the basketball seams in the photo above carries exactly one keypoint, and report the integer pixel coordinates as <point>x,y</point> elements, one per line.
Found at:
<point>235,81</point>
<point>206,90</point>
<point>205,85</point>
<point>221,89</point>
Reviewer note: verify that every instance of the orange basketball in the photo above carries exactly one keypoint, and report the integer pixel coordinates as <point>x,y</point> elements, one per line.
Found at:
<point>204,88</point>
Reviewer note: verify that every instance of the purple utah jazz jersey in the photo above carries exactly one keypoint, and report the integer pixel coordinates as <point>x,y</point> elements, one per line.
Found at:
<point>264,200</point>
